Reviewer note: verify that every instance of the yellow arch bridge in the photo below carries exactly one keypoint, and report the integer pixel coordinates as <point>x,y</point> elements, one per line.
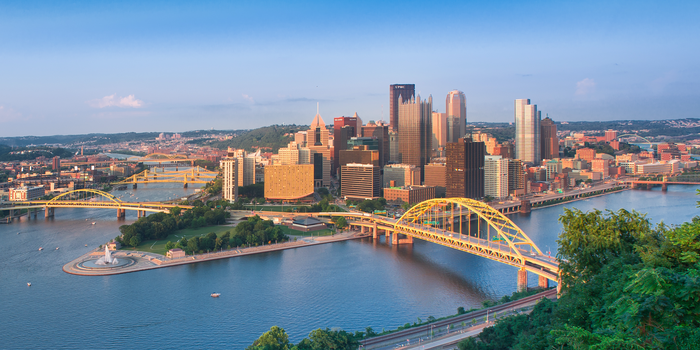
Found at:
<point>195,175</point>
<point>86,198</point>
<point>467,225</point>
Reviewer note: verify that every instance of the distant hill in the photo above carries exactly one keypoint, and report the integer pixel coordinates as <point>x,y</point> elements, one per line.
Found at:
<point>268,138</point>
<point>8,153</point>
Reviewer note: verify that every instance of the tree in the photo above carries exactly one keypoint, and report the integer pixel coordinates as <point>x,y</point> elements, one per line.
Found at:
<point>134,241</point>
<point>192,245</point>
<point>274,339</point>
<point>169,245</point>
<point>341,222</point>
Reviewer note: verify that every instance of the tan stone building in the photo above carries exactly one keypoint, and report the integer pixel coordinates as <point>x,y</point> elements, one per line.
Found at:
<point>409,194</point>
<point>289,182</point>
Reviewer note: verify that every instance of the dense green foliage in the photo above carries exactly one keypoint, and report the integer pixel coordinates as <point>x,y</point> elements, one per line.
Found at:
<point>8,153</point>
<point>256,231</point>
<point>368,206</point>
<point>625,284</point>
<point>160,225</point>
<point>320,339</point>
<point>214,187</point>
<point>94,139</point>
<point>268,138</point>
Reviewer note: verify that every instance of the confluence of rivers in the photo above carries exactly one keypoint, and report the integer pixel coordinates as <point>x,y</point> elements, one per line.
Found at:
<point>349,285</point>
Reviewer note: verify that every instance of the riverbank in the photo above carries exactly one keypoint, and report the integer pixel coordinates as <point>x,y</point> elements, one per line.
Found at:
<point>148,261</point>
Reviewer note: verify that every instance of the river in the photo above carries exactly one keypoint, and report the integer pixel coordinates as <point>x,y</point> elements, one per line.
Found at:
<point>349,285</point>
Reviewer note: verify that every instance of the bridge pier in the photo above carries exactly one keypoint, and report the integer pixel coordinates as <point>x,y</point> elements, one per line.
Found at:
<point>522,280</point>
<point>664,187</point>
<point>525,207</point>
<point>48,212</point>
<point>374,231</point>
<point>135,186</point>
<point>543,282</point>
<point>649,186</point>
<point>185,186</point>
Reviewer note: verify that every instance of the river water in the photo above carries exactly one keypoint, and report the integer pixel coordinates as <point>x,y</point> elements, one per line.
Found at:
<point>350,285</point>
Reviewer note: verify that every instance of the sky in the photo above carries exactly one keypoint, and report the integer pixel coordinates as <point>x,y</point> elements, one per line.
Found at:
<point>74,67</point>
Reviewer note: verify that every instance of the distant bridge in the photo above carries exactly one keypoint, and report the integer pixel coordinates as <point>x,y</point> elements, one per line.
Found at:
<point>87,198</point>
<point>152,158</point>
<point>196,175</point>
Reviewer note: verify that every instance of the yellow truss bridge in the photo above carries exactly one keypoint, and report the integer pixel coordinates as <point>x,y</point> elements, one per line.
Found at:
<point>86,198</point>
<point>467,225</point>
<point>196,175</point>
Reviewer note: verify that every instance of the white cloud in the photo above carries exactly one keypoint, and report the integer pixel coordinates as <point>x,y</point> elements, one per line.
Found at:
<point>585,87</point>
<point>250,99</point>
<point>116,101</point>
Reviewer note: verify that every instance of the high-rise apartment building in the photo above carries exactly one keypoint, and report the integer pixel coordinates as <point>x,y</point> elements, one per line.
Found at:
<point>403,91</point>
<point>379,131</point>
<point>527,132</point>
<point>56,166</point>
<point>439,130</point>
<point>496,177</point>
<point>415,131</point>
<point>610,135</point>
<point>456,108</point>
<point>343,129</point>
<point>465,168</point>
<point>360,181</point>
<point>550,141</point>
<point>317,141</point>
<point>229,183</point>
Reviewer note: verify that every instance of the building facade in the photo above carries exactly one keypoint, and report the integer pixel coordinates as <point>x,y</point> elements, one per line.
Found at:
<point>409,194</point>
<point>317,142</point>
<point>527,132</point>
<point>415,131</point>
<point>465,169</point>
<point>340,138</point>
<point>496,177</point>
<point>229,183</point>
<point>398,93</point>
<point>436,176</point>
<point>379,131</point>
<point>550,141</point>
<point>289,182</point>
<point>456,108</point>
<point>360,181</point>
<point>399,175</point>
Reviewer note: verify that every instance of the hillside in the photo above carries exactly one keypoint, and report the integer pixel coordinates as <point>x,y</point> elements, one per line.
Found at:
<point>268,138</point>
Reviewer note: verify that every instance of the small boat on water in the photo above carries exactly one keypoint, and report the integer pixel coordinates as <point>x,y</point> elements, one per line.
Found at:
<point>93,223</point>
<point>29,284</point>
<point>41,248</point>
<point>86,245</point>
<point>56,248</point>
<point>215,295</point>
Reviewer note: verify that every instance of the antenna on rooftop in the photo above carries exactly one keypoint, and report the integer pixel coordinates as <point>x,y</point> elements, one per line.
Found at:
<point>317,108</point>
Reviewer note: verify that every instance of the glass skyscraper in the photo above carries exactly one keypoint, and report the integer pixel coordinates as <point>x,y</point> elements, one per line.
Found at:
<point>527,132</point>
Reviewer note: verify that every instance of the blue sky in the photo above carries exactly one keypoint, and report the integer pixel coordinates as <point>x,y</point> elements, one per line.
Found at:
<point>79,67</point>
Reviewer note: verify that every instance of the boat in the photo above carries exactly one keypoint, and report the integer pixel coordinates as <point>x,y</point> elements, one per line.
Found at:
<point>29,284</point>
<point>215,295</point>
<point>41,248</point>
<point>56,248</point>
<point>93,223</point>
<point>86,245</point>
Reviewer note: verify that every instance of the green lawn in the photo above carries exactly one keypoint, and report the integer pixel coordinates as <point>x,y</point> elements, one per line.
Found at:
<point>158,247</point>
<point>289,232</point>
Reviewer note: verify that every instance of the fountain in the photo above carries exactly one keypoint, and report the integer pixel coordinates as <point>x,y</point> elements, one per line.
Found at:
<point>107,259</point>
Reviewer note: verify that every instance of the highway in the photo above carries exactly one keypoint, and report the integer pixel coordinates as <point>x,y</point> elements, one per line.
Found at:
<point>418,337</point>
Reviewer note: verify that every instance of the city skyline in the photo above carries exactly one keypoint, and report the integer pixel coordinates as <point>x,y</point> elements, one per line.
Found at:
<point>81,67</point>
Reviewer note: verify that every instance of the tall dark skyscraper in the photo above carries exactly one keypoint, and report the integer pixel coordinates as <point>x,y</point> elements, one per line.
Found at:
<point>415,131</point>
<point>379,131</point>
<point>465,169</point>
<point>340,141</point>
<point>406,91</point>
<point>550,141</point>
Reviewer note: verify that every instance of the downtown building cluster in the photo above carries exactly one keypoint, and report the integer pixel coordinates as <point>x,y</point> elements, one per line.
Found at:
<point>422,154</point>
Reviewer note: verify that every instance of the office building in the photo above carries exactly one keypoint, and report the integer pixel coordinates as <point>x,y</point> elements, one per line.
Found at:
<point>343,129</point>
<point>294,154</point>
<point>246,171</point>
<point>360,181</point>
<point>289,182</point>
<point>550,141</point>
<point>394,156</point>
<point>527,132</point>
<point>229,183</point>
<point>610,135</point>
<point>496,177</point>
<point>436,176</point>
<point>300,138</point>
<point>456,108</point>
<point>516,177</point>
<point>439,130</point>
<point>358,155</point>
<point>317,142</point>
<point>26,193</point>
<point>399,175</point>
<point>415,131</point>
<point>409,194</point>
<point>398,93</point>
<point>553,167</point>
<point>379,131</point>
<point>465,169</point>
<point>56,166</point>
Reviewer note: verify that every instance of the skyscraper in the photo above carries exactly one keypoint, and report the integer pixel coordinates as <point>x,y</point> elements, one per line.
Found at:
<point>439,130</point>
<point>415,131</point>
<point>456,107</point>
<point>527,132</point>
<point>340,138</point>
<point>379,131</point>
<point>496,177</point>
<point>229,185</point>
<point>406,92</point>
<point>317,142</point>
<point>465,169</point>
<point>550,141</point>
